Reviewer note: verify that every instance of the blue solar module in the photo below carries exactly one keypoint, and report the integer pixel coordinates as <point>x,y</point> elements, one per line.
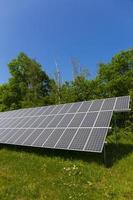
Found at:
<point>80,126</point>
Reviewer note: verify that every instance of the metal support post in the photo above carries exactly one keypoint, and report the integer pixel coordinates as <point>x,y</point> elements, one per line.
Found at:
<point>104,153</point>
<point>115,130</point>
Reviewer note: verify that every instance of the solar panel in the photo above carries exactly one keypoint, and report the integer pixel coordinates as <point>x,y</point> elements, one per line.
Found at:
<point>22,136</point>
<point>122,103</point>
<point>80,126</point>
<point>79,140</point>
<point>96,140</point>
<point>39,141</point>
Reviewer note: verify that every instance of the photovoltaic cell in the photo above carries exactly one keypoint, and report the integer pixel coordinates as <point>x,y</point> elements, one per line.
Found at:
<point>122,103</point>
<point>2,132</point>
<point>8,134</point>
<point>65,108</point>
<point>85,106</point>
<point>49,110</point>
<point>89,119</point>
<point>66,138</point>
<point>21,113</point>
<point>15,135</point>
<point>38,121</point>
<point>96,140</point>
<point>74,107</point>
<point>108,104</point>
<point>96,105</point>
<point>6,123</point>
<point>15,122</point>
<point>57,109</point>
<point>46,121</point>
<point>22,122</point>
<point>104,119</point>
<point>55,121</point>
<point>42,137</point>
<point>29,122</point>
<point>32,137</point>
<point>26,112</point>
<point>34,111</point>
<point>53,138</point>
<point>77,120</point>
<point>80,139</point>
<point>40,111</point>
<point>23,136</point>
<point>66,120</point>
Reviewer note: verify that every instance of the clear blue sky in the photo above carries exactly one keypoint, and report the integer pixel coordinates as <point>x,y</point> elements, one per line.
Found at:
<point>92,30</point>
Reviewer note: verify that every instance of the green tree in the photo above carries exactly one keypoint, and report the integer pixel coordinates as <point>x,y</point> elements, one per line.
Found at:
<point>116,77</point>
<point>28,81</point>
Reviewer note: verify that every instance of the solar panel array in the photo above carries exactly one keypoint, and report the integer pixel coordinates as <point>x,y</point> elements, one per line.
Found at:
<point>81,126</point>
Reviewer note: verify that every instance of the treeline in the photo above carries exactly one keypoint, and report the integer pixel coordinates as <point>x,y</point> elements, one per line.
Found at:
<point>30,86</point>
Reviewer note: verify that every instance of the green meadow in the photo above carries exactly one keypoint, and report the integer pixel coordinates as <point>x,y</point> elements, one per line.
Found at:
<point>44,174</point>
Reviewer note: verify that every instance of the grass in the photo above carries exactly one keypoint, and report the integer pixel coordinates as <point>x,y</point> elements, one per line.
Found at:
<point>39,174</point>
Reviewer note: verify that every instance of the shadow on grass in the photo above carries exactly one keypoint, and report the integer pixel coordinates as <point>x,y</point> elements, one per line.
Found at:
<point>114,153</point>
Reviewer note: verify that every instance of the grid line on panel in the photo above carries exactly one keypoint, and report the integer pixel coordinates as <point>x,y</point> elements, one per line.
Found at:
<point>56,126</point>
<point>115,103</point>
<point>79,127</point>
<point>47,124</point>
<point>53,114</point>
<point>93,125</point>
<point>68,124</point>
